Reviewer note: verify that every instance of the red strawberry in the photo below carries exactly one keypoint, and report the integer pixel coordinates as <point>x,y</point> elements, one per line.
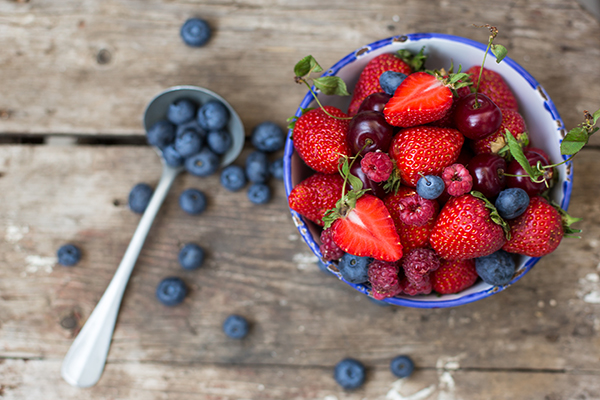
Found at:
<point>367,230</point>
<point>315,195</point>
<point>538,231</point>
<point>424,150</point>
<point>454,276</point>
<point>447,121</point>
<point>511,120</point>
<point>493,86</point>
<point>368,81</point>
<point>420,98</point>
<point>320,140</point>
<point>465,229</point>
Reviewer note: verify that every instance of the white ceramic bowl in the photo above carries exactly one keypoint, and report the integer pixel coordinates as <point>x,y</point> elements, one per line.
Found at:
<point>545,127</point>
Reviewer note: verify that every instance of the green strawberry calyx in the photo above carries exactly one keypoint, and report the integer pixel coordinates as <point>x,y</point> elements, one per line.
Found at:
<point>450,79</point>
<point>494,216</point>
<point>415,61</point>
<point>567,220</point>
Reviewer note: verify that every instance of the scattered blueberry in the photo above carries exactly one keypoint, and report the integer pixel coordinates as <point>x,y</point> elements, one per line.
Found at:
<point>268,137</point>
<point>191,256</point>
<point>195,32</point>
<point>139,197</point>
<point>496,269</point>
<point>172,156</point>
<point>276,169</point>
<point>171,291</point>
<point>402,366</point>
<point>190,125</point>
<point>354,269</point>
<point>349,373</point>
<point>161,134</point>
<point>219,141</point>
<point>188,143</point>
<point>236,326</point>
<point>233,178</point>
<point>512,202</point>
<point>259,193</point>
<point>390,80</point>
<point>192,201</point>
<point>68,255</point>
<point>181,111</point>
<point>213,116</point>
<point>257,167</point>
<point>430,187</point>
<point>202,164</point>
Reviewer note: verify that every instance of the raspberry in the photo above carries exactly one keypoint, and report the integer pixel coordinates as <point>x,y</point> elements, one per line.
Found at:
<point>418,263</point>
<point>457,179</point>
<point>377,166</point>
<point>424,286</point>
<point>415,210</point>
<point>329,249</point>
<point>384,279</point>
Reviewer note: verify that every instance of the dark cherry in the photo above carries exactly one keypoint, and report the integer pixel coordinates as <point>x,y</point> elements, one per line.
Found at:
<point>524,182</point>
<point>477,122</point>
<point>370,130</point>
<point>487,171</point>
<point>376,188</point>
<point>374,102</point>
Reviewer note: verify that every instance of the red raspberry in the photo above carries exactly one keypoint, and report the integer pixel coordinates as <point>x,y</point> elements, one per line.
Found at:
<point>415,210</point>
<point>423,286</point>
<point>377,166</point>
<point>384,279</point>
<point>418,263</point>
<point>329,249</point>
<point>457,179</point>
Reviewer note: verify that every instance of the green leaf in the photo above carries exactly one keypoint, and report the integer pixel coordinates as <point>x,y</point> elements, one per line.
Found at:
<point>355,182</point>
<point>596,116</point>
<point>307,65</point>
<point>499,51</point>
<point>517,152</point>
<point>574,141</point>
<point>331,85</point>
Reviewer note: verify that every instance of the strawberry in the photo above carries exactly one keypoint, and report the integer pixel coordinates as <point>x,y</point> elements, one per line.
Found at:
<point>496,142</point>
<point>454,276</point>
<point>425,150</point>
<point>468,227</point>
<point>368,81</point>
<point>315,195</point>
<point>320,139</point>
<point>539,230</point>
<point>447,121</point>
<point>493,86</point>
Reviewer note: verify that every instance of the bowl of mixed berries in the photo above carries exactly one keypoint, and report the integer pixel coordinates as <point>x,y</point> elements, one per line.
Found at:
<point>424,176</point>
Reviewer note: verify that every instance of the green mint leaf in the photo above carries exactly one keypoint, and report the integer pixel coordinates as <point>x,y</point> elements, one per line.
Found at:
<point>307,65</point>
<point>331,85</point>
<point>499,51</point>
<point>355,182</point>
<point>517,152</point>
<point>574,141</point>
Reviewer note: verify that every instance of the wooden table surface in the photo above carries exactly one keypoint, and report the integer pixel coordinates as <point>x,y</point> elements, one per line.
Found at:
<point>74,80</point>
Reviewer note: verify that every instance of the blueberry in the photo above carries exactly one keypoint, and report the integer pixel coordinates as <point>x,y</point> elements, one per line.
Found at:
<point>181,111</point>
<point>257,167</point>
<point>276,169</point>
<point>268,137</point>
<point>236,326</point>
<point>496,269</point>
<point>219,141</point>
<point>402,366</point>
<point>139,197</point>
<point>354,268</point>
<point>213,116</point>
<point>233,178</point>
<point>161,134</point>
<point>192,201</point>
<point>202,164</point>
<point>390,80</point>
<point>172,156</point>
<point>430,187</point>
<point>171,291</point>
<point>195,32</point>
<point>259,193</point>
<point>191,256</point>
<point>68,255</point>
<point>349,373</point>
<point>188,143</point>
<point>512,202</point>
<point>190,125</point>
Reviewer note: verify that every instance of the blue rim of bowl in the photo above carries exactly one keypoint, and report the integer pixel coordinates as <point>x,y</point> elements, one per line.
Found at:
<point>413,37</point>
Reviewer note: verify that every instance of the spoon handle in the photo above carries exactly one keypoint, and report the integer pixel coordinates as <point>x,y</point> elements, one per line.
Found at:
<point>84,362</point>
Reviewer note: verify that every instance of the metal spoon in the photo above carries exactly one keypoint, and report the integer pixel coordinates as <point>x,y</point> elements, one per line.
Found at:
<point>84,363</point>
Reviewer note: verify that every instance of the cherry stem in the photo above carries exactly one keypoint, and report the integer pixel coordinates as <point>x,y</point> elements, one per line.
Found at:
<point>317,99</point>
